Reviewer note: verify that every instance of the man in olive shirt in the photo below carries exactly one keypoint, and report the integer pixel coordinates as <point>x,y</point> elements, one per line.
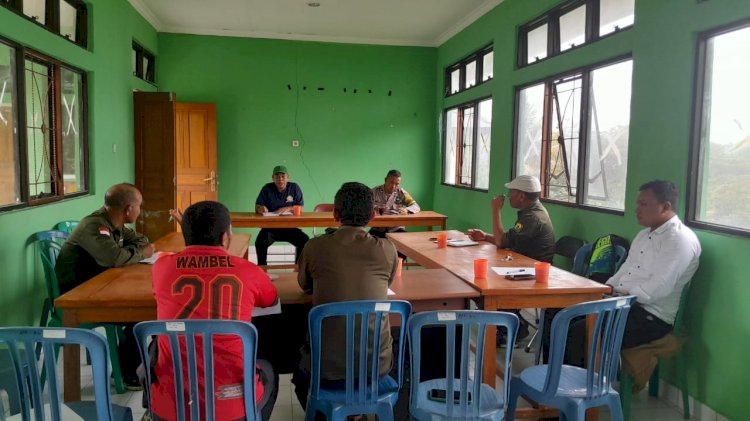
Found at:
<point>101,241</point>
<point>532,235</point>
<point>347,264</point>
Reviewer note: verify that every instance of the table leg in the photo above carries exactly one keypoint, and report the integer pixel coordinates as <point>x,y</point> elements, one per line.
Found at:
<point>71,363</point>
<point>488,371</point>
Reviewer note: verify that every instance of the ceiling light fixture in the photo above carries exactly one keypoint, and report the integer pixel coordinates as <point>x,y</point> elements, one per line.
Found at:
<point>313,4</point>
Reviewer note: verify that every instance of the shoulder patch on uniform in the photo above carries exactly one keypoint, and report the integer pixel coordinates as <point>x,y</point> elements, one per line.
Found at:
<point>518,226</point>
<point>104,231</point>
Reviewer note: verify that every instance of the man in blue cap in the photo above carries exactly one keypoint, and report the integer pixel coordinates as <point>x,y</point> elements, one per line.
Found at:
<point>278,197</point>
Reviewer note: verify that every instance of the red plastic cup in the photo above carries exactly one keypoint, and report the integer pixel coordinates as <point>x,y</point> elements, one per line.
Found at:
<point>442,240</point>
<point>399,265</point>
<point>297,210</point>
<point>480,268</point>
<point>541,271</point>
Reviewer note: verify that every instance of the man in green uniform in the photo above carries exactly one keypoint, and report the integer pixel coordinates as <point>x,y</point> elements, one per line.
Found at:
<point>101,241</point>
<point>532,235</point>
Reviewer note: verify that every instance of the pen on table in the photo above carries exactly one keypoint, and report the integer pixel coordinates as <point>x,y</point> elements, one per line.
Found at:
<point>519,271</point>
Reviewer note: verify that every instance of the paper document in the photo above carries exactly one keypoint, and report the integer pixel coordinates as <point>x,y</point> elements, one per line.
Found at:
<point>285,213</point>
<point>390,292</point>
<point>264,311</point>
<point>461,243</point>
<point>152,259</point>
<point>502,271</point>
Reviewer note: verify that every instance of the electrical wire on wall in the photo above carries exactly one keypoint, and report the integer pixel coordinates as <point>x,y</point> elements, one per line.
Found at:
<point>297,129</point>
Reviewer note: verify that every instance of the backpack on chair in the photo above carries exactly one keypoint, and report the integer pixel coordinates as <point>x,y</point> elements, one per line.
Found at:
<point>605,259</point>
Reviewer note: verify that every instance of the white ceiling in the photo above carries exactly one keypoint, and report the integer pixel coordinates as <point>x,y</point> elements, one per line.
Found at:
<point>389,22</point>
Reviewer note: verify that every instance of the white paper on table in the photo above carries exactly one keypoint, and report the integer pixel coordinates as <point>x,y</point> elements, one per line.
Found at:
<point>502,271</point>
<point>285,213</point>
<point>264,311</point>
<point>390,292</point>
<point>152,259</point>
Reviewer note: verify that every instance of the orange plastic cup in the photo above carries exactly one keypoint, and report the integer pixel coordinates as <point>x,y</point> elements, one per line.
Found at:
<point>297,210</point>
<point>442,240</point>
<point>541,271</point>
<point>480,268</point>
<point>399,265</point>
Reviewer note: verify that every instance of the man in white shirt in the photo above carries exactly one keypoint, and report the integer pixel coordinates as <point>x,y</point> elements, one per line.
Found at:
<point>662,260</point>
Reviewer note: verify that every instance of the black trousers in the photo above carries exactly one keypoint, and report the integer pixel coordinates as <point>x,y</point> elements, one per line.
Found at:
<point>641,328</point>
<point>268,236</point>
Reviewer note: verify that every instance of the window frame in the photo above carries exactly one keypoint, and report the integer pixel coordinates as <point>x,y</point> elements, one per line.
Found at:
<point>148,74</point>
<point>21,138</point>
<point>697,148</point>
<point>460,65</point>
<point>475,103</point>
<point>552,19</point>
<point>52,18</point>
<point>583,137</point>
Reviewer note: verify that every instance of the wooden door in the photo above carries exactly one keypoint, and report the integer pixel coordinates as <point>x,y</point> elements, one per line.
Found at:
<point>155,160</point>
<point>197,176</point>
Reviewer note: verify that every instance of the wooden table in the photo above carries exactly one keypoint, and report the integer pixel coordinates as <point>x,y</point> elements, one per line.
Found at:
<point>497,293</point>
<point>117,295</point>
<point>325,219</point>
<point>121,295</point>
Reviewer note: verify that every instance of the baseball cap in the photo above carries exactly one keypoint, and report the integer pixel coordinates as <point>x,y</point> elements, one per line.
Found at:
<point>525,183</point>
<point>280,168</point>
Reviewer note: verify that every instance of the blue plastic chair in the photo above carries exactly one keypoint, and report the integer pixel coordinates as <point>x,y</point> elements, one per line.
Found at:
<point>583,255</point>
<point>472,399</point>
<point>364,391</point>
<point>573,389</point>
<point>183,335</point>
<point>49,249</point>
<point>21,342</point>
<point>67,226</point>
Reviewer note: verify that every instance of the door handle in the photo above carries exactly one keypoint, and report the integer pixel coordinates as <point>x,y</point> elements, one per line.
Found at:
<point>212,180</point>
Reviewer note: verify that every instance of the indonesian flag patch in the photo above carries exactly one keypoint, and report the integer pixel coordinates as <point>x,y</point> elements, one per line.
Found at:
<point>105,231</point>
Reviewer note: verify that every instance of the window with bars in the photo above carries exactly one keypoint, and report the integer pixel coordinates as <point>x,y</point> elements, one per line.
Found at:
<point>67,18</point>
<point>572,133</point>
<point>144,63</point>
<point>42,129</point>
<point>473,70</point>
<point>466,145</point>
<point>570,25</point>
<point>719,197</point>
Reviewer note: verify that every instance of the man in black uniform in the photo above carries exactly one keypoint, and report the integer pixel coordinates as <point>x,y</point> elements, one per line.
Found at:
<point>532,235</point>
<point>101,241</point>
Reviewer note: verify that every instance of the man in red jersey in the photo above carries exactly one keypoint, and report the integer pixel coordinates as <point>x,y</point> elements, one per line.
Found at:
<point>205,282</point>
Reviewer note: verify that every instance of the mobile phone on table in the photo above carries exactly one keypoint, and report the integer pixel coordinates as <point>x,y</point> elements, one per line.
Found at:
<point>438,395</point>
<point>520,276</point>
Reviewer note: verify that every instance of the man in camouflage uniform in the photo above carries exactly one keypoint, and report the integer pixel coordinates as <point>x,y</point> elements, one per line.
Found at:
<point>101,241</point>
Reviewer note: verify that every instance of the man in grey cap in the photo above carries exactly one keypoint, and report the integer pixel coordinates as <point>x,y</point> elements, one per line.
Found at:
<point>279,196</point>
<point>532,235</point>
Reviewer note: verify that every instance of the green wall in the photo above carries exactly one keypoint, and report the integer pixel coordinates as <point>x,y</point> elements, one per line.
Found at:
<point>107,62</point>
<point>345,136</point>
<point>662,43</point>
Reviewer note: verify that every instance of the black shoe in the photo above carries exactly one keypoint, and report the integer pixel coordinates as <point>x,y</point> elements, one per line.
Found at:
<point>523,333</point>
<point>132,384</point>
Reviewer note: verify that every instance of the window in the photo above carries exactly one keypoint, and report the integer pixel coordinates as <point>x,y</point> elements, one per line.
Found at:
<point>572,133</point>
<point>68,18</point>
<point>144,63</point>
<point>466,145</point>
<point>570,25</point>
<point>469,72</point>
<point>42,129</point>
<point>719,196</point>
